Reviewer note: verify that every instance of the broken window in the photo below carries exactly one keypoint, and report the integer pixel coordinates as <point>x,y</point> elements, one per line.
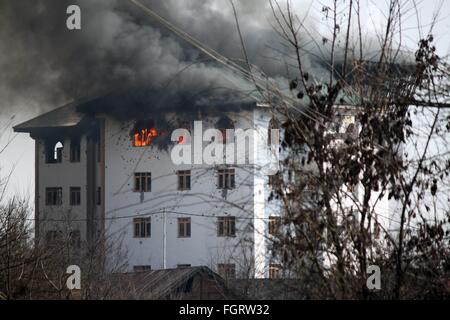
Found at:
<point>184,179</point>
<point>53,196</point>
<point>226,270</point>
<point>226,179</point>
<point>75,196</point>
<point>75,150</point>
<point>226,226</point>
<point>53,151</point>
<point>142,227</point>
<point>142,181</point>
<point>184,227</point>
<point>143,133</point>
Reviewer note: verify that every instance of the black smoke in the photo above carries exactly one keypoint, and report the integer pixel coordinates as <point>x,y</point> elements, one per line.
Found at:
<point>45,63</point>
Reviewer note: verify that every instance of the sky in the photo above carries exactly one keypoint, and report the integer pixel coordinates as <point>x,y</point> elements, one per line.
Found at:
<point>22,102</point>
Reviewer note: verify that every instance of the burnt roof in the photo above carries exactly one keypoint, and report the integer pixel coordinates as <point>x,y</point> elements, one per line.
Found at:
<point>136,102</point>
<point>65,116</point>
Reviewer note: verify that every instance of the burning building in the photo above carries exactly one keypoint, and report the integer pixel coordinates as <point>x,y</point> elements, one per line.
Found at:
<point>104,167</point>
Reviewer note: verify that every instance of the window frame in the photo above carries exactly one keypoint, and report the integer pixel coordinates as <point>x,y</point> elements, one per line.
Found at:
<point>142,227</point>
<point>142,182</point>
<point>184,178</point>
<point>274,225</point>
<point>226,178</point>
<point>184,224</point>
<point>75,200</point>
<point>226,226</point>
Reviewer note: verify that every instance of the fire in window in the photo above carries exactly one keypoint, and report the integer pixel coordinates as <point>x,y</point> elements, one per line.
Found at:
<point>143,133</point>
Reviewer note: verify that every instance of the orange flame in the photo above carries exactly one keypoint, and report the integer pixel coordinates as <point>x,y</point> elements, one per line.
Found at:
<point>144,137</point>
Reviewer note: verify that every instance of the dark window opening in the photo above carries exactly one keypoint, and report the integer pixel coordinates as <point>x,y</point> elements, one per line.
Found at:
<point>53,152</point>
<point>75,150</point>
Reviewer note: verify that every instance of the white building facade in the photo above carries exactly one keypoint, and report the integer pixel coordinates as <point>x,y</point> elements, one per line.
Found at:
<point>99,176</point>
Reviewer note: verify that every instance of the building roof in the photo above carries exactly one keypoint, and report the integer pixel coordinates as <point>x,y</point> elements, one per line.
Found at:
<point>65,116</point>
<point>159,284</point>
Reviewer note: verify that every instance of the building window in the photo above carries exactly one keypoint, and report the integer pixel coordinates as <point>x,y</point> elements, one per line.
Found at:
<point>75,196</point>
<point>184,179</point>
<point>53,196</point>
<point>143,133</point>
<point>75,150</point>
<point>98,196</point>
<point>53,237</point>
<point>142,182</point>
<point>75,239</point>
<point>274,124</point>
<point>226,178</point>
<point>142,268</point>
<point>274,271</point>
<point>142,227</point>
<point>275,180</point>
<point>274,225</point>
<point>183,265</point>
<point>226,226</point>
<point>53,152</point>
<point>226,270</point>
<point>184,227</point>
